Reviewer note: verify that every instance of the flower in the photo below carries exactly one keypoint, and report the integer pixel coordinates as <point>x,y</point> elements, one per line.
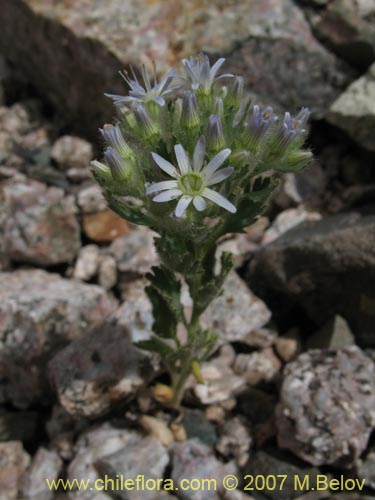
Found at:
<point>113,137</point>
<point>215,136</point>
<point>192,179</point>
<point>290,129</point>
<point>146,92</point>
<point>200,74</point>
<point>115,163</point>
<point>257,126</point>
<point>189,111</point>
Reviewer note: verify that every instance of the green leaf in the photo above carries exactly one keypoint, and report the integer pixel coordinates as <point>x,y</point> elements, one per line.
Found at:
<point>155,344</point>
<point>165,323</point>
<point>169,288</point>
<point>131,213</point>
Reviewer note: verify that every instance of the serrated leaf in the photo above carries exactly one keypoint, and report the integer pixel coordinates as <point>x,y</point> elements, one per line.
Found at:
<point>130,213</point>
<point>167,285</point>
<point>155,344</point>
<point>165,323</point>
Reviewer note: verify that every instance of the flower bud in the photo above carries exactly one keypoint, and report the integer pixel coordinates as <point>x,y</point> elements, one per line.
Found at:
<point>189,112</point>
<point>218,106</point>
<point>215,136</point>
<point>235,92</point>
<point>101,172</point>
<point>116,164</point>
<point>147,127</point>
<point>289,130</point>
<point>113,137</point>
<point>298,159</point>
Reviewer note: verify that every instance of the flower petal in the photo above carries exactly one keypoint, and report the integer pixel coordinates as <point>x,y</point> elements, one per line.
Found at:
<point>219,199</point>
<point>215,68</point>
<point>219,176</point>
<point>199,152</point>
<point>199,203</point>
<point>182,159</point>
<point>182,205</point>
<point>161,186</point>
<point>159,100</point>
<point>217,161</point>
<point>165,165</point>
<point>169,195</point>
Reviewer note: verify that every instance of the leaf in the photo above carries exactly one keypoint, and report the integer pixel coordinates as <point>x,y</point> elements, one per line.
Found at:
<point>155,344</point>
<point>165,323</point>
<point>169,288</point>
<point>131,213</point>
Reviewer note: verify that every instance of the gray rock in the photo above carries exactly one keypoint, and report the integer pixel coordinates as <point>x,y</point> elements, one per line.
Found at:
<point>40,224</point>
<point>335,334</point>
<point>259,366</point>
<point>13,463</point>
<point>235,440</point>
<point>87,263</point>
<point>327,406</point>
<point>40,313</point>
<point>195,460</point>
<point>327,267</point>
<point>72,152</point>
<point>272,463</point>
<point>46,464</point>
<point>96,371</point>
<point>107,276</point>
<point>90,200</point>
<point>271,43</point>
<point>237,314</point>
<point>347,28</point>
<point>197,426</point>
<point>365,468</point>
<point>354,110</point>
<point>107,450</point>
<point>144,456</point>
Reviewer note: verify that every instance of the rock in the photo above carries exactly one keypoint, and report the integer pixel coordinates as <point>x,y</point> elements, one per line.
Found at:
<point>197,426</point>
<point>335,334</point>
<point>354,110</point>
<point>236,313</point>
<point>13,463</point>
<point>272,462</point>
<point>46,464</point>
<point>348,29</point>
<point>144,456</point>
<point>107,276</point>
<point>220,381</point>
<point>15,120</point>
<point>40,313</point>
<point>327,406</point>
<point>134,253</point>
<point>40,225</point>
<point>234,441</point>
<point>270,43</point>
<point>259,366</point>
<point>365,468</point>
<point>286,220</point>
<point>107,450</point>
<point>71,152</point>
<point>239,245</point>
<point>96,371</point>
<point>288,346</point>
<point>194,460</point>
<point>157,428</point>
<point>104,227</point>
<point>90,200</point>
<point>87,263</point>
<point>22,426</point>
<point>327,267</point>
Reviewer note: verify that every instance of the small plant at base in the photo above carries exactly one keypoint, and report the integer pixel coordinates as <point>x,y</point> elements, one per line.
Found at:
<point>193,161</point>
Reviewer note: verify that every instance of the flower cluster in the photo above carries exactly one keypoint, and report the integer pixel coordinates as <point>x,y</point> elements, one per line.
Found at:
<point>190,147</point>
<point>193,158</point>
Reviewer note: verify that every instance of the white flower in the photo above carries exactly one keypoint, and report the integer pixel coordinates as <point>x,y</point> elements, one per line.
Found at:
<point>200,73</point>
<point>146,92</point>
<point>192,180</point>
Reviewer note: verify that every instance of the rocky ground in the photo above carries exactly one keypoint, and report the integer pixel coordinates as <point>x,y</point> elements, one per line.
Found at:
<point>291,388</point>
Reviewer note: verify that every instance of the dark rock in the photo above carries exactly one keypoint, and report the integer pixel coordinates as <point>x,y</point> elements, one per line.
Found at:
<point>19,426</point>
<point>40,225</point>
<point>96,371</point>
<point>39,314</point>
<point>347,28</point>
<point>197,426</point>
<point>273,462</point>
<point>335,334</point>
<point>354,110</point>
<point>270,42</point>
<point>365,468</point>
<point>327,267</point>
<point>327,406</point>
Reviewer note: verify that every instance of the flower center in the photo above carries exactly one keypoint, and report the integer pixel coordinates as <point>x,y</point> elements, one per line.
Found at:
<point>191,184</point>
